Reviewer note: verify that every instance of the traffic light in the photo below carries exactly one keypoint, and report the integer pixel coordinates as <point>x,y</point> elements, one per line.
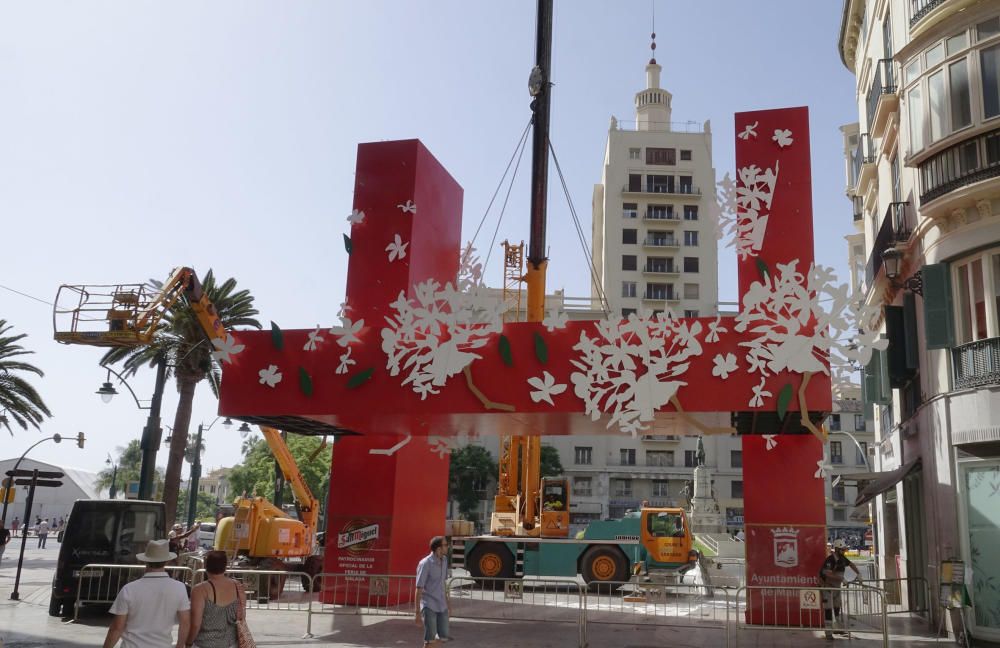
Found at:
<point>80,439</point>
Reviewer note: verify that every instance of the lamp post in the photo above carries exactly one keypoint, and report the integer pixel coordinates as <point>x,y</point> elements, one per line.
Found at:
<point>114,477</point>
<point>151,433</point>
<point>196,468</point>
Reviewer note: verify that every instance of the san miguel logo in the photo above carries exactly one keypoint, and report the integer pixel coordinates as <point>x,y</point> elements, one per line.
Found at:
<point>786,547</point>
<point>358,536</point>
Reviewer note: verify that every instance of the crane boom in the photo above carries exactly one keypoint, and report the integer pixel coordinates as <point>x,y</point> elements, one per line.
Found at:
<point>308,504</point>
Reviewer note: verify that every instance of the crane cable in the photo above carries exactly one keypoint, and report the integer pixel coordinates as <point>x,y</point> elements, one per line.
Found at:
<point>519,147</point>
<point>580,235</point>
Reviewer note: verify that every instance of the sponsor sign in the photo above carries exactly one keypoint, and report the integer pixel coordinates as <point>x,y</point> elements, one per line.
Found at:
<point>359,539</point>
<point>810,600</point>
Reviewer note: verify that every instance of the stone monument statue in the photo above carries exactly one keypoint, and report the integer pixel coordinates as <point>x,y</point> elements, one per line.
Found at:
<point>701,451</point>
<point>704,508</point>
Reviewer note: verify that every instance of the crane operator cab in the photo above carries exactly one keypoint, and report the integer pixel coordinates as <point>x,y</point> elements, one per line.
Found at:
<point>666,540</point>
<point>554,508</point>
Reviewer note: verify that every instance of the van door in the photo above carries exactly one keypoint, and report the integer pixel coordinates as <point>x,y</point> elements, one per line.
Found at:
<point>137,527</point>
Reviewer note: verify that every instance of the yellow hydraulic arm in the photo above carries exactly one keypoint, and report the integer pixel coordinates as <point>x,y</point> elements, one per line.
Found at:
<point>308,505</point>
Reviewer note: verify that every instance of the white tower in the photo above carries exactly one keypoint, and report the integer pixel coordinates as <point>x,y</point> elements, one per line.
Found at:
<point>652,105</point>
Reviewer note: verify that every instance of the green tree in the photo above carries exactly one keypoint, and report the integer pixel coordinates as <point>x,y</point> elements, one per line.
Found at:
<point>551,466</point>
<point>469,476</point>
<point>181,339</point>
<point>18,398</point>
<point>204,508</point>
<point>255,476</point>
<point>129,462</point>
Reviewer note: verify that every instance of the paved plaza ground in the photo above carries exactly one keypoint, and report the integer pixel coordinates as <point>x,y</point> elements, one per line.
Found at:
<point>26,624</point>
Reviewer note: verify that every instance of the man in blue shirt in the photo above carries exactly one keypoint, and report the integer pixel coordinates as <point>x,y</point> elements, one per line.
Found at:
<point>432,606</point>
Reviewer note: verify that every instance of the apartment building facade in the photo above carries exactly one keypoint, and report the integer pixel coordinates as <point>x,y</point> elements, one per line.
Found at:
<point>924,182</point>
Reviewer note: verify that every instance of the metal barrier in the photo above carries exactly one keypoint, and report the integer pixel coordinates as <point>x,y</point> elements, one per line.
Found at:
<point>352,594</point>
<point>675,604</point>
<point>803,609</point>
<point>904,595</point>
<point>100,583</point>
<point>271,589</point>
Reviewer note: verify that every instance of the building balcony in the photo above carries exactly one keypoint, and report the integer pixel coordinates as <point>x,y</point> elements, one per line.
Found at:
<point>858,204</point>
<point>963,164</point>
<point>685,190</point>
<point>661,243</point>
<point>919,9</point>
<point>976,364</point>
<point>862,163</point>
<point>661,438</point>
<point>897,225</point>
<point>661,271</point>
<point>882,98</point>
<point>667,219</point>
<point>660,297</point>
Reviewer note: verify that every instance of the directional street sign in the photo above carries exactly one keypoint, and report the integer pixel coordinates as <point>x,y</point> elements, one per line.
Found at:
<point>42,474</point>
<point>41,483</point>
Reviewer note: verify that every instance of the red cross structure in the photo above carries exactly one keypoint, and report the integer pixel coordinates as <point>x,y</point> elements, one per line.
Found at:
<point>388,485</point>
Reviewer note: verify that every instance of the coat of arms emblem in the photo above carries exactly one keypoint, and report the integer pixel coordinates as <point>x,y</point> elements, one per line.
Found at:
<point>786,547</point>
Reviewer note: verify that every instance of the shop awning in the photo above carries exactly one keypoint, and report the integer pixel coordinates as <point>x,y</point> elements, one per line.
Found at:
<point>879,482</point>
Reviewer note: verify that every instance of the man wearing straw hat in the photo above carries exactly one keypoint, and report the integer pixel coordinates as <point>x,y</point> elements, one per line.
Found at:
<point>146,609</point>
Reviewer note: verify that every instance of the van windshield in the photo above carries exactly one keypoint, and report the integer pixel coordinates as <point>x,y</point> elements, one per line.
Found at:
<point>93,532</point>
<point>138,528</point>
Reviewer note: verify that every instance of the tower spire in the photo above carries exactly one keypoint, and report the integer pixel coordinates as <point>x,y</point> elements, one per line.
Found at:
<point>652,36</point>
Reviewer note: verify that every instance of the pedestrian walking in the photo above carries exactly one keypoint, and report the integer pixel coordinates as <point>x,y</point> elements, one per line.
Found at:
<point>4,539</point>
<point>831,575</point>
<point>146,609</point>
<point>217,606</point>
<point>43,533</point>
<point>433,606</point>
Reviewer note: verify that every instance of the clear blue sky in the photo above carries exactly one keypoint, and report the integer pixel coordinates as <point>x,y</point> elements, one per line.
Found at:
<point>138,136</point>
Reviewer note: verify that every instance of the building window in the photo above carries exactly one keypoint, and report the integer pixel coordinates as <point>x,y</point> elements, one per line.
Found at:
<point>661,488</point>
<point>859,422</point>
<point>690,264</point>
<point>690,313</point>
<point>685,155</point>
<point>629,262</point>
<point>635,182</point>
<point>583,455</point>
<point>583,486</point>
<point>690,238</point>
<point>736,489</point>
<point>685,185</point>
<point>628,311</point>
<point>635,154</point>
<point>839,515</point>
<point>659,291</point>
<point>690,459</point>
<point>835,422</point>
<point>691,291</point>
<point>661,156</point>
<point>661,458</point>
<point>978,285</point>
<point>836,452</point>
<point>915,118</point>
<point>862,454</point>
<point>630,236</point>
<point>736,458</point>
<point>989,65</point>
<point>660,212</point>
<point>630,210</point>
<point>659,264</point>
<point>621,487</point>
<point>628,289</point>
<point>838,494</point>
<point>690,212</point>
<point>660,184</point>
<point>627,456</point>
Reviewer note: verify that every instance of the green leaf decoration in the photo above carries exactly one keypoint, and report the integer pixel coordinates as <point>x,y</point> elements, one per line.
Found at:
<point>541,350</point>
<point>360,378</point>
<point>762,268</point>
<point>305,382</point>
<point>784,398</point>
<point>277,337</point>
<point>348,244</point>
<point>505,354</point>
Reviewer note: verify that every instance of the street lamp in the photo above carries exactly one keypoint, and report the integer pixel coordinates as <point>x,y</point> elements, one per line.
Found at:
<point>196,467</point>
<point>114,477</point>
<point>892,259</point>
<point>151,433</point>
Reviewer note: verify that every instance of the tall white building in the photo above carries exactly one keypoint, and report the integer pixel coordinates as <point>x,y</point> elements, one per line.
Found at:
<point>924,180</point>
<point>654,242</point>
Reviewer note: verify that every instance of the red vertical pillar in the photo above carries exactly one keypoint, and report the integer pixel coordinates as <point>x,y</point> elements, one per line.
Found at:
<point>385,506</point>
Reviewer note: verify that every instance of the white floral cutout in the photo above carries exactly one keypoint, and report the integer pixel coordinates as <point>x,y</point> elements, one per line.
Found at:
<point>226,348</point>
<point>397,249</point>
<point>555,320</point>
<point>356,216</point>
<point>445,445</point>
<point>822,469</point>
<point>408,207</point>
<point>343,310</point>
<point>347,332</point>
<point>770,441</point>
<point>388,452</point>
<point>545,388</point>
<point>724,365</point>
<point>757,400</point>
<point>714,329</point>
<point>748,131</point>
<point>314,339</point>
<point>270,376</point>
<point>629,371</point>
<point>783,137</point>
<point>345,362</point>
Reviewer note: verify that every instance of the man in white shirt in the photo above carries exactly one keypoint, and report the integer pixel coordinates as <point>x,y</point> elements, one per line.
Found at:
<point>146,609</point>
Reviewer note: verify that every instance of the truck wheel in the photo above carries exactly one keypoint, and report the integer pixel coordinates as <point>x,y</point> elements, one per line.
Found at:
<point>489,560</point>
<point>312,566</point>
<point>603,565</point>
<point>55,606</point>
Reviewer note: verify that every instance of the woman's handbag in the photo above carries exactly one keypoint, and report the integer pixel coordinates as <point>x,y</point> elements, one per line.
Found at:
<point>243,637</point>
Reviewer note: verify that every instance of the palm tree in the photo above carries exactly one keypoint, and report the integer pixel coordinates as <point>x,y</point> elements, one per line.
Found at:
<point>182,341</point>
<point>18,398</point>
